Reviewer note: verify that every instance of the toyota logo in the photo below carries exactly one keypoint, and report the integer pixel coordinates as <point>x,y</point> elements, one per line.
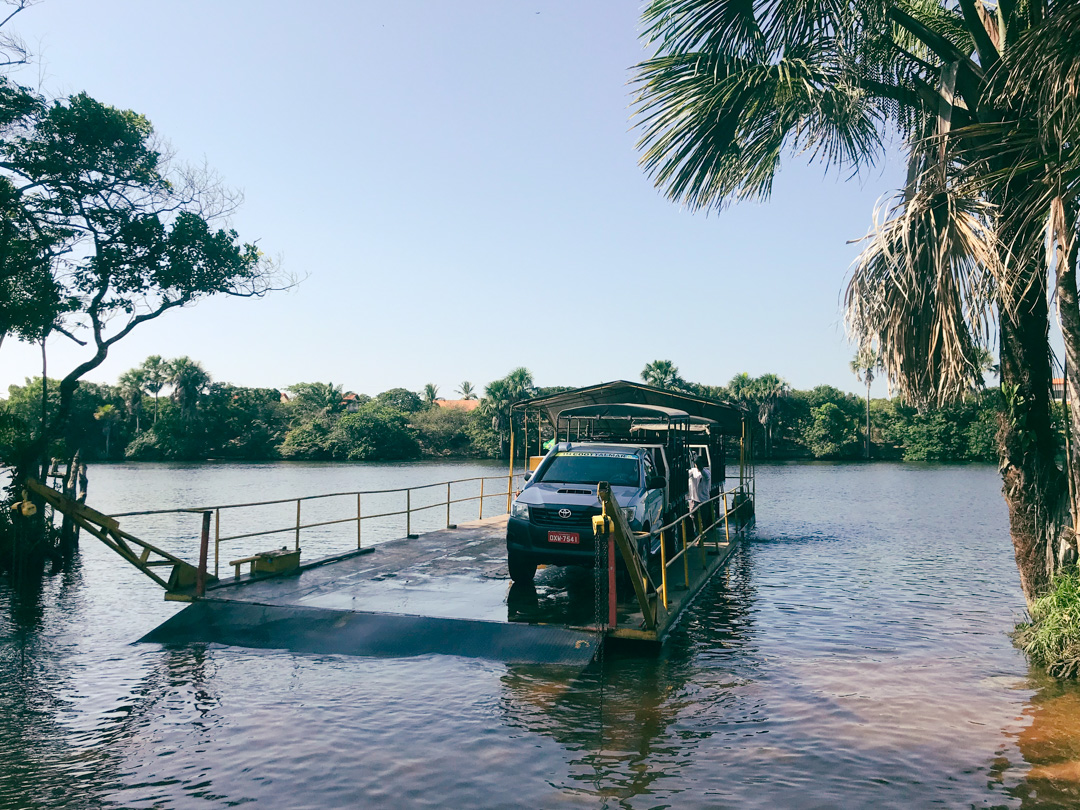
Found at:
<point>564,513</point>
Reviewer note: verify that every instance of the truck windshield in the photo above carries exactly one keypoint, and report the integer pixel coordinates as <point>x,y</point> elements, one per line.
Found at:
<point>591,468</point>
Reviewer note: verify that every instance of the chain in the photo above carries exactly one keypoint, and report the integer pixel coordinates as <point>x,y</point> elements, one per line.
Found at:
<point>600,564</point>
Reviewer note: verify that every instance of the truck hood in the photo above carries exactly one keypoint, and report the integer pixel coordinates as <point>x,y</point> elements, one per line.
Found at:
<point>545,494</point>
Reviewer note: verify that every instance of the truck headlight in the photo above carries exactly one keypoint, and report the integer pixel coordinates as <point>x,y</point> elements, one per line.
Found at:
<point>519,510</point>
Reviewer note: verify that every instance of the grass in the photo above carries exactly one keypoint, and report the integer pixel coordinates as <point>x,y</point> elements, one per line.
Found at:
<point>1052,638</point>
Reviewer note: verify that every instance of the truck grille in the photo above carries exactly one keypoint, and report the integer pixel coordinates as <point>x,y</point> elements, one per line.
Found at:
<point>580,519</point>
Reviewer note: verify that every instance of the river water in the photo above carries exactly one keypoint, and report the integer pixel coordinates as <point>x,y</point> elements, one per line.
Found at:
<point>854,654</point>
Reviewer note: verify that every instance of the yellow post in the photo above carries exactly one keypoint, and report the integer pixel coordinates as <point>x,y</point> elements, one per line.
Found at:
<point>408,513</point>
<point>481,499</point>
<point>727,529</point>
<point>448,504</point>
<point>663,565</point>
<point>217,539</point>
<point>358,520</point>
<point>510,482</point>
<point>685,556</point>
<point>742,454</point>
<point>298,524</point>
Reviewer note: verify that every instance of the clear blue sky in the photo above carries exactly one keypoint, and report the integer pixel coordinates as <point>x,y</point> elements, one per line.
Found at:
<point>459,185</point>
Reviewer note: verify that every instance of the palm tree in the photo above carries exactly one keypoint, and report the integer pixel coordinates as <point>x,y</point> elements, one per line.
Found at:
<point>768,390</point>
<point>189,382</point>
<point>132,388</point>
<point>431,393</point>
<point>467,391</point>
<point>155,377</point>
<point>501,395</point>
<point>866,363</point>
<point>986,99</point>
<point>108,416</point>
<point>662,374</point>
<point>319,399</point>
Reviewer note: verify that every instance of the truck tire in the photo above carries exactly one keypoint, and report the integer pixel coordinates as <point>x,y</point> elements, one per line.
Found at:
<point>522,569</point>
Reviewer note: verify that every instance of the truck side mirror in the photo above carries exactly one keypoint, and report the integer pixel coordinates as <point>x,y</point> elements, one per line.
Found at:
<point>528,474</point>
<point>656,482</point>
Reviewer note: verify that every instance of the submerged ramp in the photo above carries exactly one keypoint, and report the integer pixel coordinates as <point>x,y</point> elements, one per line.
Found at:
<point>324,631</point>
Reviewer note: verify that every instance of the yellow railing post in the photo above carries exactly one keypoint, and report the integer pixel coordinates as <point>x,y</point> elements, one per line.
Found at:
<point>663,565</point>
<point>408,513</point>
<point>298,524</point>
<point>510,477</point>
<point>685,556</point>
<point>217,539</point>
<point>727,529</point>
<point>448,504</point>
<point>358,518</point>
<point>481,499</point>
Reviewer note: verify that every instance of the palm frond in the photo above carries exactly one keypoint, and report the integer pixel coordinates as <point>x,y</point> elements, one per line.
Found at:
<point>924,289</point>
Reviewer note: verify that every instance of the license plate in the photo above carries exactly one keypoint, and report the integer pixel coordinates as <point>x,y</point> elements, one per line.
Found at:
<point>572,538</point>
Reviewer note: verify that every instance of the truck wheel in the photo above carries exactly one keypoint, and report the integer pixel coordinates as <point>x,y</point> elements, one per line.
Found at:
<point>522,569</point>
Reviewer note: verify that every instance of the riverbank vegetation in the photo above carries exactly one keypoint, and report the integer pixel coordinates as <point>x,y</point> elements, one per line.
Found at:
<point>172,410</point>
<point>1052,638</point>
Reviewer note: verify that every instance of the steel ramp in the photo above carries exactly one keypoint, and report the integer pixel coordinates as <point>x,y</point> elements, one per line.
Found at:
<point>322,631</point>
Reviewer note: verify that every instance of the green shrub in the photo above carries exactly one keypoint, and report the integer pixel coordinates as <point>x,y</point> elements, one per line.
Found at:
<point>1052,638</point>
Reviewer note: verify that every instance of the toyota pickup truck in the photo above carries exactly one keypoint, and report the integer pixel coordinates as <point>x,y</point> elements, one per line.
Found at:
<point>551,519</point>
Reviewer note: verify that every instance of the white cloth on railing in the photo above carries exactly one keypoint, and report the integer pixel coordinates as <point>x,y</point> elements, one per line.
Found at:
<point>700,484</point>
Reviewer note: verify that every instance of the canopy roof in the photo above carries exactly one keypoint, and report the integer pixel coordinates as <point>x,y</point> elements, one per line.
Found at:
<point>621,392</point>
<point>624,410</point>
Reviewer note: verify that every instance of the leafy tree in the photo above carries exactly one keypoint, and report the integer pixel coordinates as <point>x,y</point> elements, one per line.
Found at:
<point>401,399</point>
<point>101,233</point>
<point>443,432</point>
<point>831,433</point>
<point>986,99</point>
<point>375,432</point>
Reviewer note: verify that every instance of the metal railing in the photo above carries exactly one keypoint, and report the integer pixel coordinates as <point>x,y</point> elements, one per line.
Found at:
<point>740,495</point>
<point>296,527</point>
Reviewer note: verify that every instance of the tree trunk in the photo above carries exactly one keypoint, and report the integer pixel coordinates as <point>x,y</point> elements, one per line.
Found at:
<point>1035,489</point>
<point>1069,321</point>
<point>868,418</point>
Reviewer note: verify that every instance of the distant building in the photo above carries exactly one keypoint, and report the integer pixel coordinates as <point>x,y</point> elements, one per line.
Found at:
<point>1058,388</point>
<point>351,402</point>
<point>459,404</point>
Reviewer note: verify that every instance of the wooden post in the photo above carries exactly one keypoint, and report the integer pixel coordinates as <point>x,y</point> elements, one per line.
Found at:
<point>481,498</point>
<point>408,514</point>
<point>204,547</point>
<point>448,504</point>
<point>358,520</point>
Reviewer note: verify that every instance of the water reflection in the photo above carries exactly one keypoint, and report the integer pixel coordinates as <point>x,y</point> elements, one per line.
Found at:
<point>624,720</point>
<point>854,655</point>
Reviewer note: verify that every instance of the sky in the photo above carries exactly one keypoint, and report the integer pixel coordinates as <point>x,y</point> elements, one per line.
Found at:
<point>456,187</point>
